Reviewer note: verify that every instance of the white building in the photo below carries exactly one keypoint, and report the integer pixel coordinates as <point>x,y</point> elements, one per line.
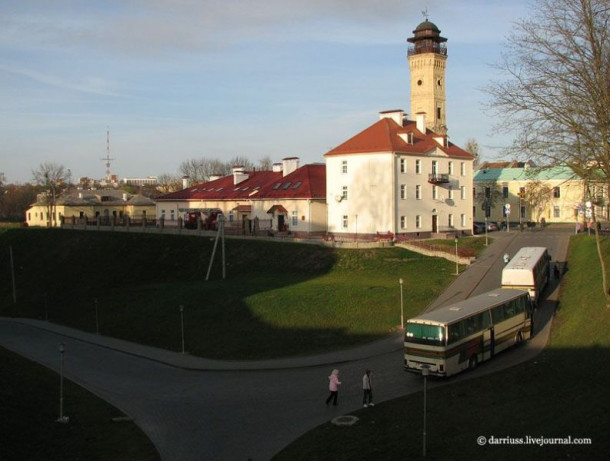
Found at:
<point>399,176</point>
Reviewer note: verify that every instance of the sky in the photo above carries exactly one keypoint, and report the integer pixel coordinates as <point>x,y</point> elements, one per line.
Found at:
<point>173,80</point>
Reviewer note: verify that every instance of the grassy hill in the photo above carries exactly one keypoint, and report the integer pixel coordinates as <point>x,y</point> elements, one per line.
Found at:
<point>562,393</point>
<point>285,298</point>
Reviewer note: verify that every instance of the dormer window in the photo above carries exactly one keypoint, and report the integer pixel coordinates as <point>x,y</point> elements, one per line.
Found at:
<point>410,137</point>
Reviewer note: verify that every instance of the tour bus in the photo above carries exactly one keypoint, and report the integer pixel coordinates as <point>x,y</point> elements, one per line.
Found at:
<point>459,336</point>
<point>528,270</point>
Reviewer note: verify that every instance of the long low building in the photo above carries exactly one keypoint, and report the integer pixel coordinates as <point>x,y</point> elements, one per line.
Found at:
<point>288,199</point>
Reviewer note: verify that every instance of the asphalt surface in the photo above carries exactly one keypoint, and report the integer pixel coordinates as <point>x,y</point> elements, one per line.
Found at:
<point>199,409</point>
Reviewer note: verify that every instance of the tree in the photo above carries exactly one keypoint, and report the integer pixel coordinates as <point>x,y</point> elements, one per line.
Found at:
<point>537,195</point>
<point>488,195</point>
<point>472,147</point>
<point>52,178</point>
<point>265,163</point>
<point>167,183</point>
<point>556,96</point>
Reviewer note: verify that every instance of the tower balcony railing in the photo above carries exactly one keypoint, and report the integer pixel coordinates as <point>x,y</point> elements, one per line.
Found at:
<point>438,48</point>
<point>436,178</point>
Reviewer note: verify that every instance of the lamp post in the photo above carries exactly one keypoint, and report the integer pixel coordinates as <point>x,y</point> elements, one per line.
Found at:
<point>182,325</point>
<point>485,230</point>
<point>457,270</point>
<point>402,318</point>
<point>425,369</point>
<point>97,317</point>
<point>62,418</point>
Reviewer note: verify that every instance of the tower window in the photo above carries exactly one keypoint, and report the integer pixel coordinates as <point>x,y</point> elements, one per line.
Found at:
<point>438,112</point>
<point>438,82</point>
<point>419,82</point>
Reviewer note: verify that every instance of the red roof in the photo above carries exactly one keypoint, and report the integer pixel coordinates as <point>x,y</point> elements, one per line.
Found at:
<point>384,136</point>
<point>306,182</point>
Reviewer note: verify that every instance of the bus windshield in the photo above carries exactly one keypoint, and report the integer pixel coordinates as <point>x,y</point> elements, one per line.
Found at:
<point>432,335</point>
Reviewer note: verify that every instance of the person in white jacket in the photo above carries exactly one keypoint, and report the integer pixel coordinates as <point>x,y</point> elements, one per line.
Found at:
<point>367,398</point>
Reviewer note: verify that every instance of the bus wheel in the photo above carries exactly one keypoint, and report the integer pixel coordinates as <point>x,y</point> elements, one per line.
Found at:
<point>519,338</point>
<point>473,362</point>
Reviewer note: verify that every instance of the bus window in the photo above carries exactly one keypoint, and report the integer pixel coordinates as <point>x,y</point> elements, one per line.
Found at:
<point>497,314</point>
<point>509,310</point>
<point>456,332</point>
<point>418,333</point>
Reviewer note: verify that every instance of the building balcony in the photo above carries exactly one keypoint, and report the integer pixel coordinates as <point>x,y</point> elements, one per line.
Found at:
<point>438,178</point>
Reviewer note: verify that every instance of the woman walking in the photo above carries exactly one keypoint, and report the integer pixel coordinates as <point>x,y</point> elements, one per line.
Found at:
<point>367,399</point>
<point>333,387</point>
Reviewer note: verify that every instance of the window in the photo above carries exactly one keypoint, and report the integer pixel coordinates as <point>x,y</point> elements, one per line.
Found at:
<point>505,192</point>
<point>487,192</point>
<point>434,167</point>
<point>286,186</point>
<point>231,216</point>
<point>403,222</point>
<point>418,221</point>
<point>556,192</point>
<point>463,169</point>
<point>438,113</point>
<point>295,219</point>
<point>296,185</point>
<point>450,167</point>
<point>435,192</point>
<point>344,193</point>
<point>556,213</point>
<point>450,192</point>
<point>277,185</point>
<point>463,192</point>
<point>345,221</point>
<point>418,192</point>
<point>432,335</point>
<point>344,166</point>
<point>403,191</point>
<point>450,220</point>
<point>403,165</point>
<point>463,220</point>
<point>417,166</point>
<point>522,192</point>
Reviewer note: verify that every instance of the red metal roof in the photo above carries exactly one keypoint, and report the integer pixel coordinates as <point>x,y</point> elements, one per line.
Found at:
<point>384,136</point>
<point>306,182</point>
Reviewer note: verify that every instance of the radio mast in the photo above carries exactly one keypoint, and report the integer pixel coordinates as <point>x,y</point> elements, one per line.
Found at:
<point>107,159</point>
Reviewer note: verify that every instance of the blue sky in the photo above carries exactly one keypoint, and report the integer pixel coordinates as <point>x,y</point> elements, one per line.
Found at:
<point>181,79</point>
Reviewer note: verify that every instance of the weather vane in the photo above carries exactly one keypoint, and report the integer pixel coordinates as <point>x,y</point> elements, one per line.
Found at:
<point>425,13</point>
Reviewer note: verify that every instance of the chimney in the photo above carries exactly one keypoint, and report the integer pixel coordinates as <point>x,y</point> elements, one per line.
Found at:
<point>239,174</point>
<point>185,182</point>
<point>124,197</point>
<point>277,167</point>
<point>397,115</point>
<point>420,121</point>
<point>289,164</point>
<point>214,176</point>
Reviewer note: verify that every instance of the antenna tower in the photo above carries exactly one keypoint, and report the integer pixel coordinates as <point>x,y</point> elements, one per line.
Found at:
<point>107,159</point>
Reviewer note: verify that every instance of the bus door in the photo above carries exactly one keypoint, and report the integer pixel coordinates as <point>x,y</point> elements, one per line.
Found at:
<point>491,340</point>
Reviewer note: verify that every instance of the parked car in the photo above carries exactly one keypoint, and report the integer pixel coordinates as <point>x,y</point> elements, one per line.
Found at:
<point>492,226</point>
<point>478,228</point>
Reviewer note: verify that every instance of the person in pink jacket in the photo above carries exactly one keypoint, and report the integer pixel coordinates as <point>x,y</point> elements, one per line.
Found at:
<point>333,387</point>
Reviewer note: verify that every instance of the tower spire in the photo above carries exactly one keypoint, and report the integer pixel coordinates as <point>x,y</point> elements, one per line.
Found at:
<point>107,159</point>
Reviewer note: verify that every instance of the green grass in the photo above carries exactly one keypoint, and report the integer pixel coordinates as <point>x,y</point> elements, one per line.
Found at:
<point>30,407</point>
<point>563,392</point>
<point>287,299</point>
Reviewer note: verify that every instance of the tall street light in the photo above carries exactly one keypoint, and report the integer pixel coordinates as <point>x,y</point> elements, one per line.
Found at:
<point>457,270</point>
<point>402,318</point>
<point>182,325</point>
<point>62,418</point>
<point>425,369</point>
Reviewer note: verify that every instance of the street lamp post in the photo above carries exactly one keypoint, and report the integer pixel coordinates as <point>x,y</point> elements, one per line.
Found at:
<point>62,418</point>
<point>457,269</point>
<point>485,230</point>
<point>97,317</point>
<point>182,325</point>
<point>425,369</point>
<point>402,318</point>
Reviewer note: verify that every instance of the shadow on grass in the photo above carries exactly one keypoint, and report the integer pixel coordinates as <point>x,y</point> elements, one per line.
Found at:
<point>279,299</point>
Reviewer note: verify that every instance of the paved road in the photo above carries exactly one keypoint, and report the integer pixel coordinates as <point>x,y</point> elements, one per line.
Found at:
<point>198,409</point>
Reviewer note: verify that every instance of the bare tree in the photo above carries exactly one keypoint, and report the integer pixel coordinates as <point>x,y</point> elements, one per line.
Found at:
<point>200,169</point>
<point>265,163</point>
<point>241,161</point>
<point>556,96</point>
<point>472,147</point>
<point>537,195</point>
<point>53,179</point>
<point>167,183</point>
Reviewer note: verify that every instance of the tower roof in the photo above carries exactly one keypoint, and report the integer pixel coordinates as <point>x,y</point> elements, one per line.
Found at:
<point>426,31</point>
